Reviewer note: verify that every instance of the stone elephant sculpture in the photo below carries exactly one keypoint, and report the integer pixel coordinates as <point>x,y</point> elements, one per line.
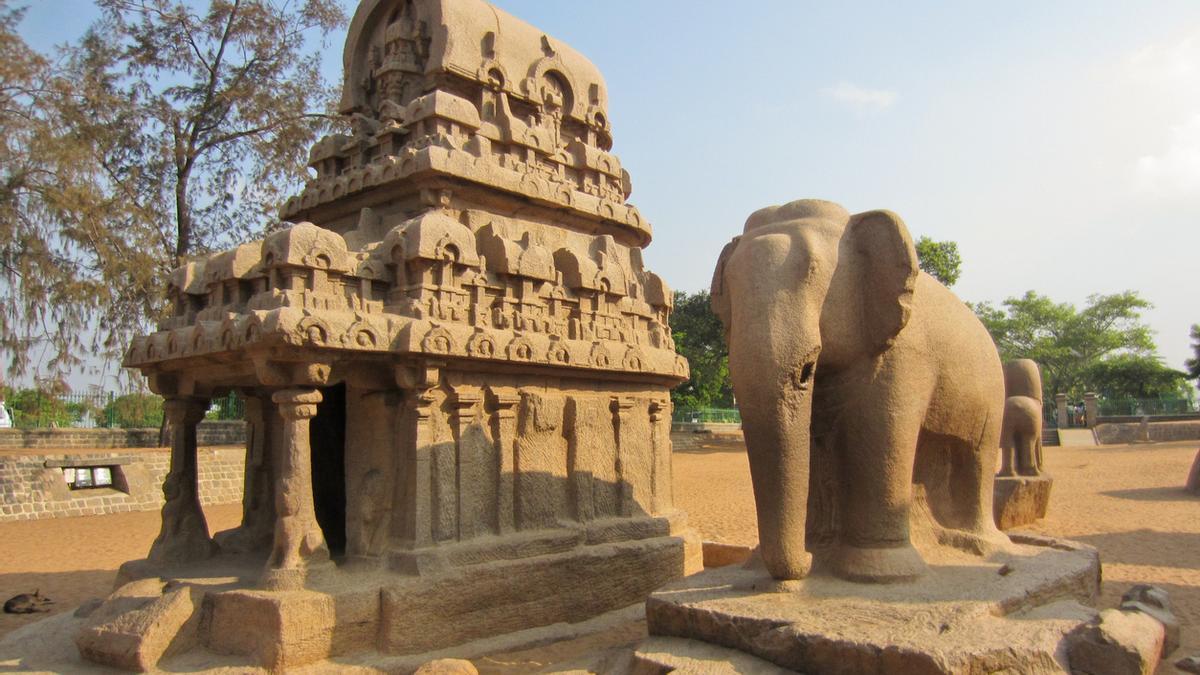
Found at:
<point>842,352</point>
<point>1021,431</point>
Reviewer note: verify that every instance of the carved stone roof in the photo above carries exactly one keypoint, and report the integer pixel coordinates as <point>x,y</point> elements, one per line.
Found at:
<point>306,245</point>
<point>237,263</point>
<point>188,279</point>
<point>484,39</point>
<point>525,257</point>
<point>433,236</point>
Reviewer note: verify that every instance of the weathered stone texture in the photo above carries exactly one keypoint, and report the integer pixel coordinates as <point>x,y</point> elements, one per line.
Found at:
<point>658,656</point>
<point>1116,643</point>
<point>1012,612</point>
<point>1154,602</point>
<point>139,624</point>
<point>1020,500</point>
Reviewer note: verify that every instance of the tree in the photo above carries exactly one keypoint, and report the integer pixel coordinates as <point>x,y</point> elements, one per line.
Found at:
<point>42,407</point>
<point>1193,364</point>
<point>1066,341</point>
<point>1136,376</point>
<point>700,337</point>
<point>939,259</point>
<point>41,286</point>
<point>135,410</point>
<point>164,133</point>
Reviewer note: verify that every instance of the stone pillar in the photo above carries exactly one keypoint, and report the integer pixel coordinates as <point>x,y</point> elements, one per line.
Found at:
<point>505,433</point>
<point>184,534</point>
<point>1091,408</point>
<point>478,473</point>
<point>299,543</point>
<point>258,497</point>
<point>1060,407</point>
<point>622,407</point>
<point>660,430</point>
<point>417,509</point>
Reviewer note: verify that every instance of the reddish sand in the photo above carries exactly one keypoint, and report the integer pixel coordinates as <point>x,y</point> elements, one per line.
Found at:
<point>74,559</point>
<point>1127,501</point>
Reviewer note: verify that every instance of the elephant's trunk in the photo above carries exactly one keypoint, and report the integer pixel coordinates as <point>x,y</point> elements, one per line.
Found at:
<point>777,424</point>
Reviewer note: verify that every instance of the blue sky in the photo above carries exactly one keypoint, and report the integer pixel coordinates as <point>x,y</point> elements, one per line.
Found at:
<point>1057,143</point>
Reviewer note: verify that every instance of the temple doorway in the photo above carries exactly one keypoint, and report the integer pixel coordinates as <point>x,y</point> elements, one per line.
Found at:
<point>327,434</point>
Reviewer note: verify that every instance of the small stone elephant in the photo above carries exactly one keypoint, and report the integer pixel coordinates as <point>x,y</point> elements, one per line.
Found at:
<point>1021,431</point>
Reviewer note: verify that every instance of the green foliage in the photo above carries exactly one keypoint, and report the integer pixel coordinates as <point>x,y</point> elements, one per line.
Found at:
<point>1067,342</point>
<point>170,129</point>
<point>939,259</point>
<point>135,411</point>
<point>1136,376</point>
<point>228,407</point>
<point>33,408</point>
<point>1193,364</point>
<point>700,338</point>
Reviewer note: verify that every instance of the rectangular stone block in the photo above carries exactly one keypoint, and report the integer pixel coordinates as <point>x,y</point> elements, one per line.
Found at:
<point>495,598</point>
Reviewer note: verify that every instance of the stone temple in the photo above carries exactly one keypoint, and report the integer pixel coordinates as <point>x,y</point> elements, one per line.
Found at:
<point>456,369</point>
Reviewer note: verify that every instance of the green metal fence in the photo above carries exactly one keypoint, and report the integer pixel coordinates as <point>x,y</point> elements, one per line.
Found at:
<point>1049,415</point>
<point>1145,406</point>
<point>1118,407</point>
<point>33,409</point>
<point>707,416</point>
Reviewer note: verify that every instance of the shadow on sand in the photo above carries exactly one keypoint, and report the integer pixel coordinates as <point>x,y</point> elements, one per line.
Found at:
<point>1154,494</point>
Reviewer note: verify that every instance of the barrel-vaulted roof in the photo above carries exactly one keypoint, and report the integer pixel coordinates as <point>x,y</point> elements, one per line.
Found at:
<point>484,39</point>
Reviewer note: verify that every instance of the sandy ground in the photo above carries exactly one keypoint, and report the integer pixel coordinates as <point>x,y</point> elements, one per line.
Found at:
<point>74,559</point>
<point>1127,501</point>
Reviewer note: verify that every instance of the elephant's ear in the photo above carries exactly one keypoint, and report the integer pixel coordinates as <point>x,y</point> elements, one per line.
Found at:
<point>719,293</point>
<point>887,269</point>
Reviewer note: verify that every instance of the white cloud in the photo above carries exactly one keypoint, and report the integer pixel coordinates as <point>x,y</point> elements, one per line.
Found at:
<point>1170,63</point>
<point>860,99</point>
<point>1177,169</point>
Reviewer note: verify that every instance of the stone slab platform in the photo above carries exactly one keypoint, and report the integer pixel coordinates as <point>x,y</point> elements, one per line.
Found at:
<point>1010,612</point>
<point>398,616</point>
<point>1020,500</point>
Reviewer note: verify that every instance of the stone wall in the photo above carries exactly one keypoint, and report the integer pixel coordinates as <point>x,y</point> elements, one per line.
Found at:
<point>32,486</point>
<point>683,441</point>
<point>722,428</point>
<point>209,433</point>
<point>1114,433</point>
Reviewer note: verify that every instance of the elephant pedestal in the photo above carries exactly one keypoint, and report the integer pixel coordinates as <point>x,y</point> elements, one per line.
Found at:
<point>1027,610</point>
<point>1020,500</point>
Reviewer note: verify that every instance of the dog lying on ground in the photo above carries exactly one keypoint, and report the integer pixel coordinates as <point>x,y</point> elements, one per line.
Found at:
<point>27,603</point>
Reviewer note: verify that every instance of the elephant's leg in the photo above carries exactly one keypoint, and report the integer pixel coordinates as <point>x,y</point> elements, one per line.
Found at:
<point>877,466</point>
<point>777,447</point>
<point>1010,460</point>
<point>1008,452</point>
<point>974,483</point>
<point>1026,454</point>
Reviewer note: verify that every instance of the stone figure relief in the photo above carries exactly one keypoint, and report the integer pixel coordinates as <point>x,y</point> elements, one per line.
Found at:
<point>832,326</point>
